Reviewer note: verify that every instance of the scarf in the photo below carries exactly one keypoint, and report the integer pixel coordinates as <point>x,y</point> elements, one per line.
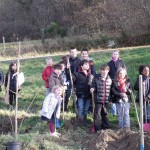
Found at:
<point>121,85</point>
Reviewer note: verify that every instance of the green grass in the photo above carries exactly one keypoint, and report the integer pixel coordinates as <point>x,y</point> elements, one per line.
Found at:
<point>34,133</point>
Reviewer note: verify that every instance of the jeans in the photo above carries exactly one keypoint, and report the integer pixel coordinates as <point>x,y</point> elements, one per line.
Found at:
<point>47,91</point>
<point>83,106</point>
<point>113,109</point>
<point>101,120</point>
<point>123,114</point>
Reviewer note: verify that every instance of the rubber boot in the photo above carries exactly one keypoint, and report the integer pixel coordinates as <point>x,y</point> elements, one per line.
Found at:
<point>80,121</point>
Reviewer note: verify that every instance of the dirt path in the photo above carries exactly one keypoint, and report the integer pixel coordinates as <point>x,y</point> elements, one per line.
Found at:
<point>35,56</point>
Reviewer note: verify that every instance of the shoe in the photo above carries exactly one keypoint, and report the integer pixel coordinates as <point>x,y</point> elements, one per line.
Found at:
<point>58,124</point>
<point>11,108</point>
<point>54,134</point>
<point>57,133</point>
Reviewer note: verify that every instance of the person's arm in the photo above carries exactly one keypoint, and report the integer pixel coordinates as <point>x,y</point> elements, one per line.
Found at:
<point>136,85</point>
<point>44,77</point>
<point>6,80</point>
<point>51,82</point>
<point>1,77</point>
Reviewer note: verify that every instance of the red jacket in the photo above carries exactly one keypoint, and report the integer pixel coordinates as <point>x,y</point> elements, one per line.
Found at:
<point>46,74</point>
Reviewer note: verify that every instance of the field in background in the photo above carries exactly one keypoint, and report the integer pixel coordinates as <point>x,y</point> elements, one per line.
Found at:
<point>33,132</point>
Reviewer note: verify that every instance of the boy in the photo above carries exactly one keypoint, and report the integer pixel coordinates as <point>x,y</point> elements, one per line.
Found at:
<point>56,79</point>
<point>83,91</point>
<point>101,85</point>
<point>85,56</point>
<point>47,72</point>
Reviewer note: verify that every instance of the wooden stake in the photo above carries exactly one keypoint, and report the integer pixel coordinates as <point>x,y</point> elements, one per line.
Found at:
<point>141,111</point>
<point>16,108</point>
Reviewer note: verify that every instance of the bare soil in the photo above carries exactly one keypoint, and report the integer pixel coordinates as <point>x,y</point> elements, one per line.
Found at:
<point>122,139</point>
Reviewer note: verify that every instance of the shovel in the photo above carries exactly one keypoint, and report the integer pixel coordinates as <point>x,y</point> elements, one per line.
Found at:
<point>63,121</point>
<point>146,125</point>
<point>92,129</point>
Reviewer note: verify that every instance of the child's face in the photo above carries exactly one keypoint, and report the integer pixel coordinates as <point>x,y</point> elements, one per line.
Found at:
<point>49,62</point>
<point>73,53</point>
<point>63,67</point>
<point>104,72</point>
<point>14,67</point>
<point>84,55</point>
<point>115,55</point>
<point>145,71</point>
<point>58,91</point>
<point>122,74</point>
<point>57,71</point>
<point>85,66</point>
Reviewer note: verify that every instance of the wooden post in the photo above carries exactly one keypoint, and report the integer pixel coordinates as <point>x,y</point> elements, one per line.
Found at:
<point>4,44</point>
<point>141,111</point>
<point>16,108</point>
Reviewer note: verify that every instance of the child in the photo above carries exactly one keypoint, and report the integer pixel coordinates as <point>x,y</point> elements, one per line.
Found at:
<point>101,85</point>
<point>47,72</point>
<point>51,106</point>
<point>66,82</point>
<point>74,60</point>
<point>115,63</point>
<point>56,79</point>
<point>122,90</point>
<point>11,76</point>
<point>83,91</point>
<point>144,71</point>
<point>84,56</point>
<point>1,79</point>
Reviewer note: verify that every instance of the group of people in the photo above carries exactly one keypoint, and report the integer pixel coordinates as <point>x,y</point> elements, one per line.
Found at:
<point>111,84</point>
<point>78,75</point>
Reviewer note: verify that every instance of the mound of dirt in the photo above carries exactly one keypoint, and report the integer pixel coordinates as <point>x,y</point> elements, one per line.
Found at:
<point>122,139</point>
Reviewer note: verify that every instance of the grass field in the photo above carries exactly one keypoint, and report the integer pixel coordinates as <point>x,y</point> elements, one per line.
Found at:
<point>35,133</point>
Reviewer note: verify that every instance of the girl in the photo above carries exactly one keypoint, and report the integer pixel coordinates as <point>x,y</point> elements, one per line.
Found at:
<point>51,108</point>
<point>144,71</point>
<point>115,63</point>
<point>121,89</point>
<point>11,76</point>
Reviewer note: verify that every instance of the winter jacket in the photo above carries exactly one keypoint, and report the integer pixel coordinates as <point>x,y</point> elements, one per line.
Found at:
<point>74,64</point>
<point>114,66</point>
<point>81,85</point>
<point>92,67</point>
<point>147,87</point>
<point>13,81</point>
<point>101,89</point>
<point>55,80</point>
<point>46,74</point>
<point>116,93</point>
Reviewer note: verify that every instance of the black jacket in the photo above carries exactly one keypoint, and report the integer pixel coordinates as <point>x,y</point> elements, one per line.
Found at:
<point>74,64</point>
<point>81,85</point>
<point>147,87</point>
<point>101,89</point>
<point>116,94</point>
<point>114,66</point>
<point>13,81</point>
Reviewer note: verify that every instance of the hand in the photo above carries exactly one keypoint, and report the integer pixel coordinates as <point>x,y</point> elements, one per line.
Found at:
<point>68,65</point>
<point>146,99</point>
<point>92,90</point>
<point>124,94</point>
